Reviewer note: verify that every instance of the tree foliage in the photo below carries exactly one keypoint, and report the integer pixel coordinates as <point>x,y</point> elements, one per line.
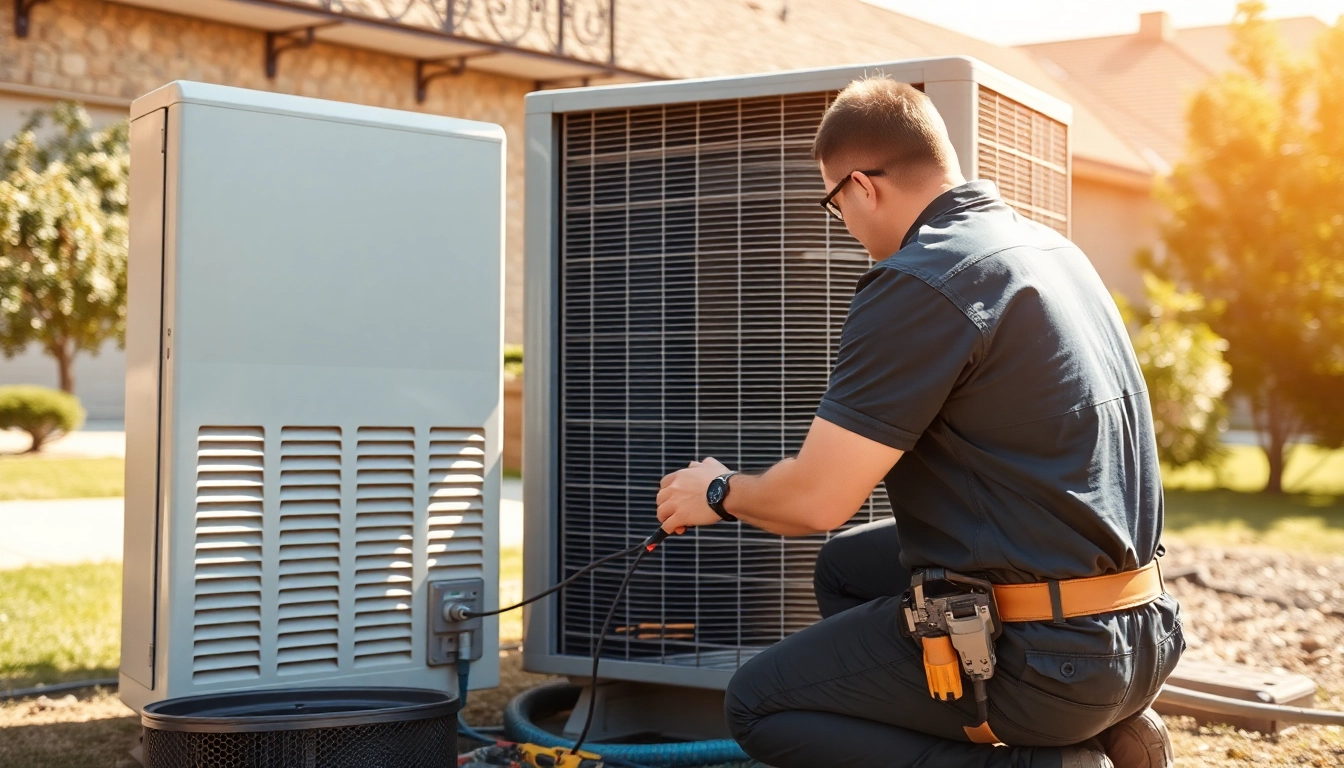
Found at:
<point>1183,366</point>
<point>41,412</point>
<point>1257,227</point>
<point>63,236</point>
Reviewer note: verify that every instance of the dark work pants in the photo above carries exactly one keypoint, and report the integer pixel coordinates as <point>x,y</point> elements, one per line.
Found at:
<point>850,690</point>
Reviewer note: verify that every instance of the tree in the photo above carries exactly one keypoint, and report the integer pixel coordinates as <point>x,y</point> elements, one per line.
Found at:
<point>1182,362</point>
<point>1255,226</point>
<point>42,413</point>
<point>63,237</point>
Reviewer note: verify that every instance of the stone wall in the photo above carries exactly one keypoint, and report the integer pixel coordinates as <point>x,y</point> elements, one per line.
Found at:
<point>103,51</point>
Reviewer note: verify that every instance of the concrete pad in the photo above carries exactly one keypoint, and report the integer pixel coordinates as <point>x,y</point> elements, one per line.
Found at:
<point>510,523</point>
<point>512,488</point>
<point>60,531</point>
<point>95,440</point>
<point>511,513</point>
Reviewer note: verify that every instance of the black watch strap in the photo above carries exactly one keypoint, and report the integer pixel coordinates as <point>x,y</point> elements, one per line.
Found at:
<point>717,506</point>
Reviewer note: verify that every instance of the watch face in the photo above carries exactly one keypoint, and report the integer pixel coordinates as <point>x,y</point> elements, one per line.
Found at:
<point>715,494</point>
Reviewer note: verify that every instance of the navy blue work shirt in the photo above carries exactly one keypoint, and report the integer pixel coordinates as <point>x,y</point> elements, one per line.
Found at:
<point>988,349</point>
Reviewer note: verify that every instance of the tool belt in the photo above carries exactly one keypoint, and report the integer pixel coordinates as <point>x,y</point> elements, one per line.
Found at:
<point>957,618</point>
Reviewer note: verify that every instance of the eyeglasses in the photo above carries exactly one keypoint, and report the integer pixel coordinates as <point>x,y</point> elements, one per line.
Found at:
<point>830,205</point>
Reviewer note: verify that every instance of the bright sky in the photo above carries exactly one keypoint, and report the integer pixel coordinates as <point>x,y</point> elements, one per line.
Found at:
<point>1013,22</point>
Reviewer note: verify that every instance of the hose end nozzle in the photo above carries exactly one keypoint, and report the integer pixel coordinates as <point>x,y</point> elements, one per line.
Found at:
<point>653,541</point>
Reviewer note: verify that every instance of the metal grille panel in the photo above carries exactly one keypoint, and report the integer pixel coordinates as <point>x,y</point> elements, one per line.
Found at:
<point>1027,155</point>
<point>703,294</point>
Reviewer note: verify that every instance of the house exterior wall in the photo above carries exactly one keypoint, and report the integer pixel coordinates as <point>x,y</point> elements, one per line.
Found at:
<point>107,54</point>
<point>1111,224</point>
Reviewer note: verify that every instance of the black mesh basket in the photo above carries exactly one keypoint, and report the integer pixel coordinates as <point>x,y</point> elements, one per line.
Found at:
<point>304,728</point>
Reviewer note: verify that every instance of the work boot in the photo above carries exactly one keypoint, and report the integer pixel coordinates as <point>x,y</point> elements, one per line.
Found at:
<point>1089,754</point>
<point>1140,741</point>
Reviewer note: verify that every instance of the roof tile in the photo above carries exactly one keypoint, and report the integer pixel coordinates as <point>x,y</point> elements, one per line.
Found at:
<point>706,38</point>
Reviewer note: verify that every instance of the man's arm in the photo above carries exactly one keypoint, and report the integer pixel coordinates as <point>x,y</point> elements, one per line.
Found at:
<point>818,491</point>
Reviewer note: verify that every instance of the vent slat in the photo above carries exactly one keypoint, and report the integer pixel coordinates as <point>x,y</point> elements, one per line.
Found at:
<point>309,571</point>
<point>456,503</point>
<point>384,523</point>
<point>226,631</point>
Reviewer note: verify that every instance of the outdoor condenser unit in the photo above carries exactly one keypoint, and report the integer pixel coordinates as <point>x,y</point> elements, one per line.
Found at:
<point>313,393</point>
<point>685,295</point>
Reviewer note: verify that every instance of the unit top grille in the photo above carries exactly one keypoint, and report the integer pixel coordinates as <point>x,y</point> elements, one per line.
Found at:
<point>1027,155</point>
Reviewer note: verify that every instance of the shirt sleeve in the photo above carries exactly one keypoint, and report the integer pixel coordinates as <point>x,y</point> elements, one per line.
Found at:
<point>903,350</point>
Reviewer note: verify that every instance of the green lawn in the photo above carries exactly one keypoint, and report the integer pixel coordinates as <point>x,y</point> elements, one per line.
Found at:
<point>1310,470</point>
<point>59,623</point>
<point>39,477</point>
<point>1224,506</point>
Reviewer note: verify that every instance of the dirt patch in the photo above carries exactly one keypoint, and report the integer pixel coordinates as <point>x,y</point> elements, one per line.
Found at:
<point>486,708</point>
<point>1295,625</point>
<point>90,729</point>
<point>1220,746</point>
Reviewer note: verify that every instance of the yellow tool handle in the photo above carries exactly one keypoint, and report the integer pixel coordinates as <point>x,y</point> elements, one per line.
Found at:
<point>942,668</point>
<point>558,757</point>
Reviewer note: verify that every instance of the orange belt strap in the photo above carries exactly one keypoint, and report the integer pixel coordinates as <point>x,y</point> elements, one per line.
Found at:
<point>981,734</point>
<point>1059,600</point>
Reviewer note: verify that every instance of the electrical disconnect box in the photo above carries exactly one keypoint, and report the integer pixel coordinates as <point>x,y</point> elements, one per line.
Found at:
<point>313,394</point>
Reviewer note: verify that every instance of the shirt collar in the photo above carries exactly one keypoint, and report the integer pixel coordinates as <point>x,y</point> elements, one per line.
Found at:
<point>953,199</point>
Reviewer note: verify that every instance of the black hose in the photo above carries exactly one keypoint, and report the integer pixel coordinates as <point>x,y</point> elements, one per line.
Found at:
<point>597,652</point>
<point>585,569</point>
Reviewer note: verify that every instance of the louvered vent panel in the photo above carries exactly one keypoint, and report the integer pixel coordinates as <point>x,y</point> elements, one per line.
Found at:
<point>1027,155</point>
<point>456,504</point>
<point>310,550</point>
<point>384,527</point>
<point>226,617</point>
<point>703,293</point>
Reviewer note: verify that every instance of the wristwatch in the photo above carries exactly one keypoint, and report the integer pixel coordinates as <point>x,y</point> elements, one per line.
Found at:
<point>717,493</point>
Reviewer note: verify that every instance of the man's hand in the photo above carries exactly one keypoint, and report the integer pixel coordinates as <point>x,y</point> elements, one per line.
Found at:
<point>818,491</point>
<point>681,501</point>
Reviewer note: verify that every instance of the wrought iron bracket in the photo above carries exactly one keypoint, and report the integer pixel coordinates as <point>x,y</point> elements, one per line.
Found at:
<point>22,11</point>
<point>580,81</point>
<point>280,41</point>
<point>427,71</point>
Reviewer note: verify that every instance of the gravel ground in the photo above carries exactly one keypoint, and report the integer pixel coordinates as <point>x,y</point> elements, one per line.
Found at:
<point>1298,628</point>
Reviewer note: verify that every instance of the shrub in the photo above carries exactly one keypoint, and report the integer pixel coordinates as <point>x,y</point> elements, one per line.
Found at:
<point>41,412</point>
<point>513,359</point>
<point>1182,362</point>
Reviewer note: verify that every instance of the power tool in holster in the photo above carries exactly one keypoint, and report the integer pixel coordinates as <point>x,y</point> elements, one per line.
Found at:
<point>955,619</point>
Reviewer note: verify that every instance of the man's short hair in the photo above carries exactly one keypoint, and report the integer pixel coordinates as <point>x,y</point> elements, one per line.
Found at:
<point>877,123</point>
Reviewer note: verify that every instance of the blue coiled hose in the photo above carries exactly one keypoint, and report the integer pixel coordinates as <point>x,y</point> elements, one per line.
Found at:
<point>528,706</point>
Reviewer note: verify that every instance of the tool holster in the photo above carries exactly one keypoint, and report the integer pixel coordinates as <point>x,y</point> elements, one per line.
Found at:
<point>955,619</point>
